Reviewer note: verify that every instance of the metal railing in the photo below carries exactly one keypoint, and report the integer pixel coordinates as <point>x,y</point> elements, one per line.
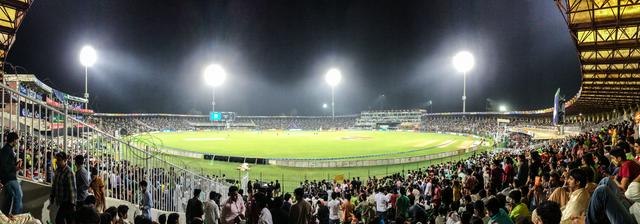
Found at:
<point>45,130</point>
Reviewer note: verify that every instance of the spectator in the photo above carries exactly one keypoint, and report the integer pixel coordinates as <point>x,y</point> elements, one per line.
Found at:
<point>63,190</point>
<point>334,209</point>
<point>518,209</point>
<point>287,202</point>
<point>547,212</point>
<point>162,219</point>
<point>97,188</point>
<point>82,179</point>
<point>211,210</point>
<point>347,209</point>
<point>301,211</point>
<point>174,218</point>
<point>141,219</point>
<point>579,198</point>
<point>123,212</point>
<point>381,205</point>
<point>84,215</point>
<point>629,169</point>
<point>9,166</point>
<point>403,203</point>
<point>194,207</point>
<point>147,201</point>
<point>233,209</point>
<point>265,215</point>
<point>497,213</point>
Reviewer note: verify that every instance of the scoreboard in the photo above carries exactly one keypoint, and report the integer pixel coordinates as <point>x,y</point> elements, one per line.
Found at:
<point>222,116</point>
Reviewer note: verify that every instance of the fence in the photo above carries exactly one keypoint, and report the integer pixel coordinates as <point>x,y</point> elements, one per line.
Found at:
<point>45,130</point>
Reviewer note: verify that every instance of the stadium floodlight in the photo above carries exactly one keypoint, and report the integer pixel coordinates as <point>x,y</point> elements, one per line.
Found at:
<point>88,57</point>
<point>324,105</point>
<point>214,75</point>
<point>333,77</point>
<point>463,62</point>
<point>503,108</point>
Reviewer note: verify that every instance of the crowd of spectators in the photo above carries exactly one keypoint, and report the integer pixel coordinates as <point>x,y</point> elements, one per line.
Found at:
<point>590,178</point>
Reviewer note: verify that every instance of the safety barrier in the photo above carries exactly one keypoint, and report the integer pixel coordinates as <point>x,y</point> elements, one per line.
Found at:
<point>45,131</point>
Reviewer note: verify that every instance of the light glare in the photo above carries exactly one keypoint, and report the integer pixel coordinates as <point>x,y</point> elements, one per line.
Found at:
<point>88,56</point>
<point>214,75</point>
<point>503,108</point>
<point>333,77</point>
<point>463,61</point>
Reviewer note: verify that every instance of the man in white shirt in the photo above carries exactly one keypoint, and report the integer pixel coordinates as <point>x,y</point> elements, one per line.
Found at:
<point>211,210</point>
<point>265,214</point>
<point>334,209</point>
<point>381,205</point>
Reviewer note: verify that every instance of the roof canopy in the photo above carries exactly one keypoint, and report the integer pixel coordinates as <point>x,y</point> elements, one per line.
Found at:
<point>606,37</point>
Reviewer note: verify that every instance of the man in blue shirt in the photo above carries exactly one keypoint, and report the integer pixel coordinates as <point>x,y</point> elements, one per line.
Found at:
<point>147,202</point>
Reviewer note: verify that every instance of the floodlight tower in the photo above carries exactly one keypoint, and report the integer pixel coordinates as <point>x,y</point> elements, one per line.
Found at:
<point>463,62</point>
<point>88,57</point>
<point>333,77</point>
<point>503,108</point>
<point>214,75</point>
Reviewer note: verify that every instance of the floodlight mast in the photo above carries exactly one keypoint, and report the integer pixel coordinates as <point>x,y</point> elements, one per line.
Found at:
<point>463,61</point>
<point>88,57</point>
<point>214,75</point>
<point>333,77</point>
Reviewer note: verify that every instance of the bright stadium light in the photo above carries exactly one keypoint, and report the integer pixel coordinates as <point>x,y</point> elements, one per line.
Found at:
<point>503,108</point>
<point>88,57</point>
<point>324,105</point>
<point>333,77</point>
<point>214,75</point>
<point>463,62</point>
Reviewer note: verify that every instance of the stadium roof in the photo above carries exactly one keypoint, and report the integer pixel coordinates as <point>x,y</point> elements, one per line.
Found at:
<point>606,34</point>
<point>11,15</point>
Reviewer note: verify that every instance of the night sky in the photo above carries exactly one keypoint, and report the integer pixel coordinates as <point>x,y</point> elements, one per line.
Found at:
<point>151,54</point>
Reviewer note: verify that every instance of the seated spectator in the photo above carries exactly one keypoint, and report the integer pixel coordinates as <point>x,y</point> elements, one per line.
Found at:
<point>547,212</point>
<point>497,213</point>
<point>579,199</point>
<point>518,209</point>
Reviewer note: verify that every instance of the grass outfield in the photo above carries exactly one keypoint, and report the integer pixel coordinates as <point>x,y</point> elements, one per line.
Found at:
<point>290,177</point>
<point>306,144</point>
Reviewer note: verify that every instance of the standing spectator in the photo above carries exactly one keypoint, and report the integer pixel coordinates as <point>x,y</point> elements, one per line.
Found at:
<point>381,206</point>
<point>323,212</point>
<point>334,209</point>
<point>523,171</point>
<point>265,215</point>
<point>147,202</point>
<point>211,210</point>
<point>287,202</point>
<point>347,209</point>
<point>97,188</point>
<point>82,179</point>
<point>403,203</point>
<point>194,207</point>
<point>63,190</point>
<point>301,211</point>
<point>9,166</point>
<point>233,209</point>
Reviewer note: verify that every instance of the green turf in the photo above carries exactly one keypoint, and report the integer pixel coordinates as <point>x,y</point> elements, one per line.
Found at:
<point>291,176</point>
<point>302,144</point>
<point>305,144</point>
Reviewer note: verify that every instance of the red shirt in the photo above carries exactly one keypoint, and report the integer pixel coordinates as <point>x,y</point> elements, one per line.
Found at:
<point>393,199</point>
<point>629,169</point>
